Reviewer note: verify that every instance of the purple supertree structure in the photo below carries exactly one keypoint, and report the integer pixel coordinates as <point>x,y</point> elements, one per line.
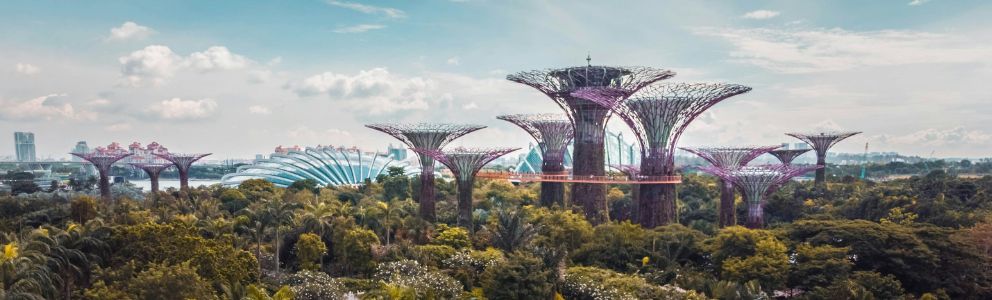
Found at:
<point>588,119</point>
<point>729,158</point>
<point>658,115</point>
<point>821,142</point>
<point>426,137</point>
<point>102,162</point>
<point>757,181</point>
<point>553,132</point>
<point>786,156</point>
<point>153,170</point>
<point>182,161</point>
<point>464,163</point>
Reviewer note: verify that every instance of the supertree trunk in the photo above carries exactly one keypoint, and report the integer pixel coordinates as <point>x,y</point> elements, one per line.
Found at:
<point>589,160</point>
<point>153,178</point>
<point>821,173</point>
<point>465,203</point>
<point>552,192</point>
<point>184,183</point>
<point>635,200</point>
<point>656,206</point>
<point>427,200</point>
<point>728,214</point>
<point>105,188</point>
<point>755,215</point>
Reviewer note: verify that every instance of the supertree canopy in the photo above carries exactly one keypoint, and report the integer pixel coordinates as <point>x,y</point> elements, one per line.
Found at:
<point>588,118</point>
<point>426,137</point>
<point>658,115</point>
<point>786,156</point>
<point>821,142</point>
<point>729,158</point>
<point>464,163</point>
<point>553,133</point>
<point>756,182</point>
<point>153,170</point>
<point>182,161</point>
<point>102,162</point>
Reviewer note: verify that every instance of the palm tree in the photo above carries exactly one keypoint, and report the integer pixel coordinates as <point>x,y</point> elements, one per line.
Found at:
<point>318,218</point>
<point>67,256</point>
<point>279,213</point>
<point>511,230</point>
<point>24,272</point>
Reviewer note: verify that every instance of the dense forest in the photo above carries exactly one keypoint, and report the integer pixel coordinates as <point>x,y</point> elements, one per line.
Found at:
<point>924,237</point>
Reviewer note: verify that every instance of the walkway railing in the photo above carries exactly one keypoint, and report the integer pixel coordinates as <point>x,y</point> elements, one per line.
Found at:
<point>529,177</point>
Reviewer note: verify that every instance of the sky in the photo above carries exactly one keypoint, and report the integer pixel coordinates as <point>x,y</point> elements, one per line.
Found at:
<point>238,78</point>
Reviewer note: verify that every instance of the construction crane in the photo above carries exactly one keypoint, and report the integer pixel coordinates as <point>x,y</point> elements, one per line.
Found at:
<point>864,162</point>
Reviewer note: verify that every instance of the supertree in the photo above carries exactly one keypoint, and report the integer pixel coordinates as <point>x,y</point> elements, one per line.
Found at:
<point>426,137</point>
<point>553,132</point>
<point>182,161</point>
<point>102,162</point>
<point>658,115</point>
<point>757,181</point>
<point>588,119</point>
<point>821,142</point>
<point>786,156</point>
<point>729,158</point>
<point>153,170</point>
<point>464,163</point>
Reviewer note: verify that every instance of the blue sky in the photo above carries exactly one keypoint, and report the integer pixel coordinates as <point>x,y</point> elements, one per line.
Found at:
<point>238,77</point>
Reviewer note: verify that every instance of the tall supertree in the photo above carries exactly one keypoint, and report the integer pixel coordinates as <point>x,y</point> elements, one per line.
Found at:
<point>102,162</point>
<point>786,156</point>
<point>182,161</point>
<point>464,163</point>
<point>658,115</point>
<point>553,132</point>
<point>426,137</point>
<point>821,142</point>
<point>153,170</point>
<point>729,158</point>
<point>589,119</point>
<point>756,182</point>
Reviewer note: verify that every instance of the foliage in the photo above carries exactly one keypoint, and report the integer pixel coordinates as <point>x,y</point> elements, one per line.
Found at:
<point>616,246</point>
<point>522,276</point>
<point>511,231</point>
<point>595,283</point>
<point>745,254</point>
<point>354,250</point>
<point>424,282</point>
<point>314,285</point>
<point>561,227</point>
<point>455,237</point>
<point>158,281</point>
<point>309,249</point>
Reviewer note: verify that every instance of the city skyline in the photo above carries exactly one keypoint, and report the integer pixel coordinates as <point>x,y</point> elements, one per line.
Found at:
<point>909,74</point>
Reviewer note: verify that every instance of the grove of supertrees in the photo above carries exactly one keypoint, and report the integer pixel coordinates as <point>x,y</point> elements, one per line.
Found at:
<point>464,163</point>
<point>588,119</point>
<point>102,162</point>
<point>182,161</point>
<point>553,133</point>
<point>757,181</point>
<point>728,158</point>
<point>786,156</point>
<point>821,142</point>
<point>426,137</point>
<point>153,170</point>
<point>658,115</point>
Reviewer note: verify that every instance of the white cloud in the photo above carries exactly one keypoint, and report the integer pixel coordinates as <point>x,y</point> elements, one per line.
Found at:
<point>259,110</point>
<point>128,31</point>
<point>375,90</point>
<point>957,136</point>
<point>359,28</point>
<point>369,9</point>
<point>117,127</point>
<point>98,102</point>
<point>821,50</point>
<point>761,14</point>
<point>179,109</point>
<point>216,58</point>
<point>274,61</point>
<point>454,61</point>
<point>308,136</point>
<point>470,106</point>
<point>259,76</point>
<point>27,69</point>
<point>918,2</point>
<point>41,108</point>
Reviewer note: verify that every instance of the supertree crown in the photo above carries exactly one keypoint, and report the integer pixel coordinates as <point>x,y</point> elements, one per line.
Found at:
<point>822,141</point>
<point>729,157</point>
<point>182,160</point>
<point>152,167</point>
<point>786,156</point>
<point>425,135</point>
<point>553,132</point>
<point>755,181</point>
<point>465,162</point>
<point>102,161</point>
<point>660,113</point>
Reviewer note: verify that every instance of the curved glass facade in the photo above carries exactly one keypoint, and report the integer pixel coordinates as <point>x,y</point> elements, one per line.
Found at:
<point>328,166</point>
<point>618,152</point>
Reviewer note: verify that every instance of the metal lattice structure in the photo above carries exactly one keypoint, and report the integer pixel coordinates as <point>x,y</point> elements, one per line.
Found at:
<point>728,158</point>
<point>102,162</point>
<point>786,156</point>
<point>427,137</point>
<point>658,115</point>
<point>757,181</point>
<point>588,118</point>
<point>325,165</point>
<point>553,133</point>
<point>821,142</point>
<point>153,170</point>
<point>464,163</point>
<point>182,161</point>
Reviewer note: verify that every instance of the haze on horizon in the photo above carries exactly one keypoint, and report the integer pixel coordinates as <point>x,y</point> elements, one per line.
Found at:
<point>236,78</point>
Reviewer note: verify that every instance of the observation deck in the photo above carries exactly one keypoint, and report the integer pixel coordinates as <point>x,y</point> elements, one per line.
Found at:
<point>565,177</point>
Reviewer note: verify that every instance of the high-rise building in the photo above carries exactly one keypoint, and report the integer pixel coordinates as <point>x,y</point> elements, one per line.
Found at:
<point>397,153</point>
<point>81,147</point>
<point>24,146</point>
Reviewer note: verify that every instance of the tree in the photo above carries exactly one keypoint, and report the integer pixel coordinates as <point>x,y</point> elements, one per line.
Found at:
<point>258,189</point>
<point>395,184</point>
<point>454,237</point>
<point>511,230</point>
<point>82,209</point>
<point>818,266</point>
<point>560,227</point>
<point>309,249</point>
<point>617,246</point>
<point>22,183</point>
<point>304,185</point>
<point>743,254</point>
<point>354,250</point>
<point>233,200</point>
<point>278,213</point>
<point>523,276</point>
